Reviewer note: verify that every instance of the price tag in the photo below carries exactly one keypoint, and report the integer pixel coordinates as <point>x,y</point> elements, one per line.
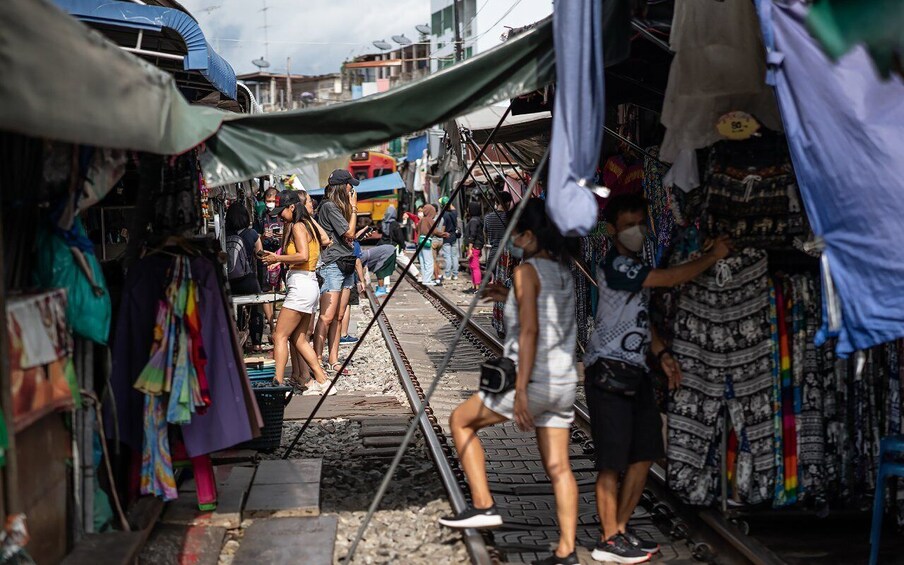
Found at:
<point>737,126</point>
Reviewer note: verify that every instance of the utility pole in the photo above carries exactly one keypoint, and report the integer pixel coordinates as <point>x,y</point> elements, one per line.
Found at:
<point>288,83</point>
<point>456,18</point>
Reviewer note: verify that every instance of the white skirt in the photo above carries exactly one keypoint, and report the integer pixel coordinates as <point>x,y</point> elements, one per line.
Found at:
<point>302,291</point>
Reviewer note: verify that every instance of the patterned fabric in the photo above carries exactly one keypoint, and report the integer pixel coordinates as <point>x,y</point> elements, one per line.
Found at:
<point>722,341</point>
<point>788,495</point>
<point>504,270</point>
<point>811,422</point>
<point>659,197</point>
<point>157,476</point>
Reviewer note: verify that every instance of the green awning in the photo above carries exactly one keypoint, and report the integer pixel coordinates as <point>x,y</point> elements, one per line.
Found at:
<point>271,143</point>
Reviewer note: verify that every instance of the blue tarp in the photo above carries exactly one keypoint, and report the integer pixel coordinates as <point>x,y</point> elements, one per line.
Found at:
<point>416,146</point>
<point>385,183</point>
<point>845,128</point>
<point>200,56</point>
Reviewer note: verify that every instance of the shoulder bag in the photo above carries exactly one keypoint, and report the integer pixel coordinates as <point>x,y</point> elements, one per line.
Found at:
<point>616,377</point>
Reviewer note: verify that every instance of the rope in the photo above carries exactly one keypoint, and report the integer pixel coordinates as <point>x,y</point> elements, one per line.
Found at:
<point>441,370</point>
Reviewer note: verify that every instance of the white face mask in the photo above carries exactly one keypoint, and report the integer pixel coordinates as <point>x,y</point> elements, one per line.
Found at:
<point>420,214</point>
<point>633,238</point>
<point>271,205</point>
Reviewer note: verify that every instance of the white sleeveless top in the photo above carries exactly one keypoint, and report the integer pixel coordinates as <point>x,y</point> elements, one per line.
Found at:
<point>557,337</point>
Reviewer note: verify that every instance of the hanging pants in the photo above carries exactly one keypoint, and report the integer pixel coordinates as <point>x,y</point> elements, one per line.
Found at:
<point>723,341</point>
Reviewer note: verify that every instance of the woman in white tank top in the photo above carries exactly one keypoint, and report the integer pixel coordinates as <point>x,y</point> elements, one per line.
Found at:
<point>541,340</point>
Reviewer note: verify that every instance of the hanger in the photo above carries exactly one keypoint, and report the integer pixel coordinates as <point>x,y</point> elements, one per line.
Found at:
<point>174,241</point>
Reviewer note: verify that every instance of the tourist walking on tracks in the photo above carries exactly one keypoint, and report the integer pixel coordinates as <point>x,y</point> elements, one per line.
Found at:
<point>302,240</point>
<point>625,420</point>
<point>495,223</point>
<point>476,241</point>
<point>450,242</point>
<point>541,342</point>
<point>426,255</point>
<point>338,214</point>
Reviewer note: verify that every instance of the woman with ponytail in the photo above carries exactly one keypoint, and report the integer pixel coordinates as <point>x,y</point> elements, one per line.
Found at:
<point>338,214</point>
<point>302,240</point>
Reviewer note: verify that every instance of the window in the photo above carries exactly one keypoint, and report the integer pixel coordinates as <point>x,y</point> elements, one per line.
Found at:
<point>468,52</point>
<point>437,24</point>
<point>448,19</point>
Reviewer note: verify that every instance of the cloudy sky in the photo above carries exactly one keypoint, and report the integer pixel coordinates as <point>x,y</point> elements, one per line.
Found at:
<point>317,34</point>
<point>320,34</point>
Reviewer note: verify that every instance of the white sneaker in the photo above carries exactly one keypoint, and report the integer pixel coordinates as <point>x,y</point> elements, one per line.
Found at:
<point>473,518</point>
<point>430,283</point>
<point>317,389</point>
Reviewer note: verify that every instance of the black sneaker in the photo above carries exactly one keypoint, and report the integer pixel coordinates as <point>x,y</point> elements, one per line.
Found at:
<point>554,560</point>
<point>473,518</point>
<point>644,545</point>
<point>618,549</point>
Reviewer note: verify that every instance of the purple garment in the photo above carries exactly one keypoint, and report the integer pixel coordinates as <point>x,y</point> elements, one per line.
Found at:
<point>845,127</point>
<point>225,423</point>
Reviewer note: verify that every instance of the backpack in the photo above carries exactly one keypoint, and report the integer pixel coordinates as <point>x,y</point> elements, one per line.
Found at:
<point>238,261</point>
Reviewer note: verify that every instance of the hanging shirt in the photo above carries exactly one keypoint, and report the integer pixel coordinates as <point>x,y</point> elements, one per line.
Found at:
<point>622,329</point>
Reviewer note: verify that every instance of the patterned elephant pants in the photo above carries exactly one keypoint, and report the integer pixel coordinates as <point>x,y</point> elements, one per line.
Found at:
<point>723,343</point>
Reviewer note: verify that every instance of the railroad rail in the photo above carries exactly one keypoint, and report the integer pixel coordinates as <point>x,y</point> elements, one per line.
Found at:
<point>522,489</point>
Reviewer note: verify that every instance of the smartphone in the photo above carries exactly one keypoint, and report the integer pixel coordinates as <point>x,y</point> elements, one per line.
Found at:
<point>260,254</point>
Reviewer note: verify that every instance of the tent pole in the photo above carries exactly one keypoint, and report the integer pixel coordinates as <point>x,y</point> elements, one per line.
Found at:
<point>392,291</point>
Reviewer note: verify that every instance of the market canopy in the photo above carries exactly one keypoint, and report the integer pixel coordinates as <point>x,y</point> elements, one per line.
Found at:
<point>65,82</point>
<point>385,183</point>
<point>200,55</point>
<point>514,128</point>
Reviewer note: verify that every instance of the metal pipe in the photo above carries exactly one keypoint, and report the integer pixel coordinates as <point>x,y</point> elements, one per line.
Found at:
<point>648,35</point>
<point>153,53</point>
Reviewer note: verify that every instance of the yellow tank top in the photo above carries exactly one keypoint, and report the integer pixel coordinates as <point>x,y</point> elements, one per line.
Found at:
<point>313,256</point>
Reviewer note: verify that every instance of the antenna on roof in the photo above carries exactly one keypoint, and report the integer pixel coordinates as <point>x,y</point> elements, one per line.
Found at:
<point>401,39</point>
<point>423,28</point>
<point>382,44</point>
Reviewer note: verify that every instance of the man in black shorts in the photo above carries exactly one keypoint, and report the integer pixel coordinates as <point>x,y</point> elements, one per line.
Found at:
<point>625,420</point>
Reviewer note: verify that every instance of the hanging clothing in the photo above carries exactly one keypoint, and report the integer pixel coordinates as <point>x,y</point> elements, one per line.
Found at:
<point>857,210</point>
<point>227,422</point>
<point>719,67</point>
<point>723,344</point>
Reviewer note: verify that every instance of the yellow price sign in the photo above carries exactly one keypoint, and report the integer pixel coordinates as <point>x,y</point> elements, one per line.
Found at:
<point>737,126</point>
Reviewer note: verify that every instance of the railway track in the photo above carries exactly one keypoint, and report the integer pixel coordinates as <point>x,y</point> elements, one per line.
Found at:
<point>517,479</point>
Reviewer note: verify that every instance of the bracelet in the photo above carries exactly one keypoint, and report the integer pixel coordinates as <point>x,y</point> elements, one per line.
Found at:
<point>354,209</point>
<point>663,352</point>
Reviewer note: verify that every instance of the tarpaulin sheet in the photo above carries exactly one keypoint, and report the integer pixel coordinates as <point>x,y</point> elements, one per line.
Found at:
<point>271,143</point>
<point>384,183</point>
<point>845,127</point>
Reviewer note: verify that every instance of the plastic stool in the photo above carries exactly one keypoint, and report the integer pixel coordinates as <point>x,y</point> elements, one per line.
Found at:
<point>891,445</point>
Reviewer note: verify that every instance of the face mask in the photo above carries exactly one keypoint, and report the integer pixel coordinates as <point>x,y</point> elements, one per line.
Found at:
<point>420,214</point>
<point>271,205</point>
<point>633,238</point>
<point>515,251</point>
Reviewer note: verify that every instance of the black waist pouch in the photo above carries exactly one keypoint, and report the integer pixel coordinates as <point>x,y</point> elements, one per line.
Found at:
<point>616,377</point>
<point>497,375</point>
<point>346,264</point>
